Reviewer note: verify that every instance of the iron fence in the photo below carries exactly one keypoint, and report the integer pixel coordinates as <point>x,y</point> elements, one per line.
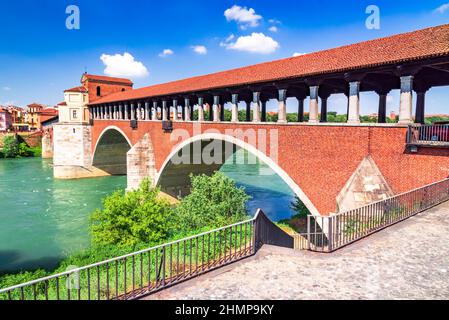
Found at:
<point>147,271</point>
<point>327,234</point>
<point>428,134</point>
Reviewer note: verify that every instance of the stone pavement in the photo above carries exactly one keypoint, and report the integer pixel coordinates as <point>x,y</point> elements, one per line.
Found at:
<point>407,261</point>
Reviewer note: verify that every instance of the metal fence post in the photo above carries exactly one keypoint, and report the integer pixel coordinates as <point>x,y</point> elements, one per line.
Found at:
<point>330,236</point>
<point>308,233</point>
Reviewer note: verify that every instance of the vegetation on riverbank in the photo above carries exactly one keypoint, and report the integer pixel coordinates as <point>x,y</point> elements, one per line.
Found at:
<point>141,219</point>
<point>15,147</point>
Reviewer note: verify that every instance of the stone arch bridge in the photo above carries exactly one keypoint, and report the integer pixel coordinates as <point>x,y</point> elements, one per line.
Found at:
<point>331,167</point>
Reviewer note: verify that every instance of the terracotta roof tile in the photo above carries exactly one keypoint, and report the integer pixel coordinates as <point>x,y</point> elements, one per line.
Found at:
<point>426,43</point>
<point>77,89</point>
<point>110,79</point>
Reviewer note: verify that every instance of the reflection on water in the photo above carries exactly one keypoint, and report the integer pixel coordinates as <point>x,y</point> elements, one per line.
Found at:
<point>42,219</point>
<point>269,192</point>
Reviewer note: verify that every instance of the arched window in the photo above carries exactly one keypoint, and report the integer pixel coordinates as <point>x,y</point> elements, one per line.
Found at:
<point>123,89</point>
<point>98,91</point>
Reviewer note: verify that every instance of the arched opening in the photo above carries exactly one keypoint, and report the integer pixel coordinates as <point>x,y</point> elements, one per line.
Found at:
<point>98,91</point>
<point>206,154</point>
<point>110,152</point>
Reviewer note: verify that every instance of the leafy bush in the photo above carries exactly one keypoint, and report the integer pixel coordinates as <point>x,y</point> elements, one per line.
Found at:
<point>214,202</point>
<point>299,207</point>
<point>135,217</point>
<point>10,147</point>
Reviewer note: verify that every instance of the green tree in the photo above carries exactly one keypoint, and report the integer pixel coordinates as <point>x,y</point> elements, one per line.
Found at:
<point>10,147</point>
<point>138,216</point>
<point>214,201</point>
<point>299,207</point>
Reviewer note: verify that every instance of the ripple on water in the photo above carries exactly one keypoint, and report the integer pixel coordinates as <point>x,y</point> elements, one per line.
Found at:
<point>47,219</point>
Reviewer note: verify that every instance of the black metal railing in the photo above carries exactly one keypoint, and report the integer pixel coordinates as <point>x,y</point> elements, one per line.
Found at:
<point>147,271</point>
<point>428,134</point>
<point>327,234</point>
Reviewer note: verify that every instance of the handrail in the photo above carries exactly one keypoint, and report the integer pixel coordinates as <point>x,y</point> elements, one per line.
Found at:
<point>224,245</point>
<point>327,234</point>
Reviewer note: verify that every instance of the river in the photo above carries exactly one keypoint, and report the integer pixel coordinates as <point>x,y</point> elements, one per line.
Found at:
<point>43,219</point>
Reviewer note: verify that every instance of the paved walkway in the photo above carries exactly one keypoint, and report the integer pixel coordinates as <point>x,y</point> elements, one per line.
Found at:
<point>407,261</point>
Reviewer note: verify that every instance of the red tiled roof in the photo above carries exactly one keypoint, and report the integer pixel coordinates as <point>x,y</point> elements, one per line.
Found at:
<point>426,43</point>
<point>77,89</point>
<point>63,103</point>
<point>105,78</point>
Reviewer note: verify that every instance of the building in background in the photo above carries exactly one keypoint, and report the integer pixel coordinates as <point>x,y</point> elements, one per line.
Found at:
<point>5,119</point>
<point>37,113</point>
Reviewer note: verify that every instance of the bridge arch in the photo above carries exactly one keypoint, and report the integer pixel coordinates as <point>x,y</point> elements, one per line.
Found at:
<point>171,174</point>
<point>110,151</point>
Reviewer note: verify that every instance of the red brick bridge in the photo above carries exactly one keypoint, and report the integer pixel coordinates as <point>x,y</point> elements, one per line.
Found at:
<point>331,167</point>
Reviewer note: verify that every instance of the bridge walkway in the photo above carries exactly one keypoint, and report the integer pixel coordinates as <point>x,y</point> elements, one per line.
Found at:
<point>408,260</point>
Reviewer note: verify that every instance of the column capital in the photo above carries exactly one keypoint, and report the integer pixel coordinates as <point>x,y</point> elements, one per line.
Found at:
<point>354,88</point>
<point>235,98</point>
<point>407,83</point>
<point>282,95</point>
<point>314,92</point>
<point>256,96</point>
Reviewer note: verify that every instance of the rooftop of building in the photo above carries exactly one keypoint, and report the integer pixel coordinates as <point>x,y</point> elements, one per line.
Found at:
<point>406,47</point>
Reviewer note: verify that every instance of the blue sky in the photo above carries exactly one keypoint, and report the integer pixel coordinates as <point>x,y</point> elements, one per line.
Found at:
<point>40,57</point>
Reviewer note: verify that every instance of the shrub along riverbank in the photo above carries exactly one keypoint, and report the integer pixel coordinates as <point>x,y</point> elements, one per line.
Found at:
<point>141,219</point>
<point>15,147</point>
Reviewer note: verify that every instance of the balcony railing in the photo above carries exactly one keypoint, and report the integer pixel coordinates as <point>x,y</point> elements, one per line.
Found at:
<point>428,135</point>
<point>327,234</point>
<point>150,270</point>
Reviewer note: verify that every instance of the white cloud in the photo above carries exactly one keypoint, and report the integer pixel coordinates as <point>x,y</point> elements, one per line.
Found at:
<point>166,53</point>
<point>274,21</point>
<point>243,16</point>
<point>273,29</point>
<point>255,43</point>
<point>443,8</point>
<point>227,41</point>
<point>297,54</point>
<point>6,89</point>
<point>123,66</point>
<point>200,49</point>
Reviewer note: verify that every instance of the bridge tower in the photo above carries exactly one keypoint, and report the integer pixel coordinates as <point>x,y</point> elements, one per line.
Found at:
<point>73,134</point>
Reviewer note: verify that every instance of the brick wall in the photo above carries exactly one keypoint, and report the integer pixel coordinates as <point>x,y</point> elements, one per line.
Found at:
<point>106,89</point>
<point>320,159</point>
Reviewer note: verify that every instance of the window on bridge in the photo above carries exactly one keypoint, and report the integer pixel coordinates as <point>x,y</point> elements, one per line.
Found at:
<point>98,91</point>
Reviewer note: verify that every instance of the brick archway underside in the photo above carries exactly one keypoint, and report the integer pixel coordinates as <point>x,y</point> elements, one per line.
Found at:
<point>319,159</point>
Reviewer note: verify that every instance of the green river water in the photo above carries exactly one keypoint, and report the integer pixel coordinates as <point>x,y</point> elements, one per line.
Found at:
<point>43,219</point>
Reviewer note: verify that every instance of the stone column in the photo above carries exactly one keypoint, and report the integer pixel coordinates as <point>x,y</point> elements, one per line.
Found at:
<point>256,106</point>
<point>164,110</point>
<point>406,106</point>
<point>235,108</point>
<point>187,112</point>
<point>354,102</point>
<point>139,111</point>
<point>216,109</point>
<point>114,112</point>
<point>111,112</point>
<point>382,112</point>
<point>313,107</point>
<point>133,112</point>
<point>126,112</point>
<point>175,110</point>
<point>147,111</point>
<point>200,109</point>
<point>420,107</point>
<point>154,111</point>
<point>282,99</point>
